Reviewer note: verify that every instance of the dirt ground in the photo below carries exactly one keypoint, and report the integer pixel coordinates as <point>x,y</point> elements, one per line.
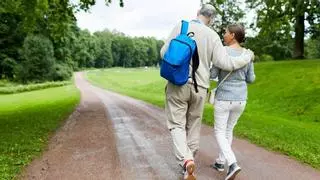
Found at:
<point>111,136</point>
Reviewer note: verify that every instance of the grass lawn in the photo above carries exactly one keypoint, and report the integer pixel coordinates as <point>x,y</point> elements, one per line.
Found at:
<point>26,122</point>
<point>283,110</point>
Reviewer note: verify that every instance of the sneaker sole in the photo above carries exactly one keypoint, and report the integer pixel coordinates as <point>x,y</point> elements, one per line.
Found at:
<point>190,170</point>
<point>233,176</point>
<point>220,170</point>
<point>214,167</point>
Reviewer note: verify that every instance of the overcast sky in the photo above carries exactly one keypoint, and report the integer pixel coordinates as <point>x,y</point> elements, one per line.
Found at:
<point>138,17</point>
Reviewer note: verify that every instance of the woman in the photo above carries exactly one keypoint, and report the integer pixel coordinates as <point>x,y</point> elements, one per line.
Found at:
<point>230,100</point>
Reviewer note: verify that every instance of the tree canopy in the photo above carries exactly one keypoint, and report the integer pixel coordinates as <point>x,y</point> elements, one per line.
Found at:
<point>286,29</point>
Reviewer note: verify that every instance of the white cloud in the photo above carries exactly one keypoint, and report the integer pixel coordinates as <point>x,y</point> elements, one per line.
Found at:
<point>138,17</point>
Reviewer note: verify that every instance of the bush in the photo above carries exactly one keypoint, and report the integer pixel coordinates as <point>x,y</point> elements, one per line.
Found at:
<point>256,58</point>
<point>279,50</point>
<point>61,72</point>
<point>31,87</point>
<point>313,48</point>
<point>8,64</point>
<point>6,83</point>
<point>38,60</point>
<point>266,57</point>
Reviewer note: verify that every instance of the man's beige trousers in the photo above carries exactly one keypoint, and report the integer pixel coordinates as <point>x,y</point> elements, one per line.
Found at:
<point>184,108</point>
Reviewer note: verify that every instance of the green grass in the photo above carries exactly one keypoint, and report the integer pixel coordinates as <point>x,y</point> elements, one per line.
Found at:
<point>139,83</point>
<point>26,122</point>
<point>11,88</point>
<point>283,110</point>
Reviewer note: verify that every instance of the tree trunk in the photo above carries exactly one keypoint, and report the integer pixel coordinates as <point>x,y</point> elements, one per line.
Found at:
<point>299,37</point>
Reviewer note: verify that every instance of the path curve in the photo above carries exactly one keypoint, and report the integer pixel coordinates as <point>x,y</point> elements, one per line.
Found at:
<point>111,136</point>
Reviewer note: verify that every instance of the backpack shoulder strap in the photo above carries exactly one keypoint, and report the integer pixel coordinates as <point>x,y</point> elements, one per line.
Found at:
<point>195,55</point>
<point>195,65</point>
<point>184,27</point>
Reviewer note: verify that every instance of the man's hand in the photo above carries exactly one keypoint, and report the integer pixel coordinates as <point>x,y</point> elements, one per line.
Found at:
<point>251,53</point>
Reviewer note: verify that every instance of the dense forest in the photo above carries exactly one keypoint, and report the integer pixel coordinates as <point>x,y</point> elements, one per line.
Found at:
<point>40,40</point>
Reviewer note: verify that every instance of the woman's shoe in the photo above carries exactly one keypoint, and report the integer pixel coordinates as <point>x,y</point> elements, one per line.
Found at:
<point>234,169</point>
<point>218,167</point>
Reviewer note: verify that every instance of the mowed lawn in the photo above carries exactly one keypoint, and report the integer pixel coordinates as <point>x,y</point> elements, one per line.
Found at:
<point>283,110</point>
<point>26,122</point>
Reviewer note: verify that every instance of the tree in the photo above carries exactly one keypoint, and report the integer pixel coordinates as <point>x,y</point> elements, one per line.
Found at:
<point>85,49</point>
<point>33,10</point>
<point>229,12</point>
<point>53,20</point>
<point>152,51</point>
<point>11,39</point>
<point>86,4</point>
<point>160,43</point>
<point>116,50</point>
<point>128,57</point>
<point>281,18</point>
<point>123,49</point>
<point>104,54</point>
<point>38,60</point>
<point>140,52</point>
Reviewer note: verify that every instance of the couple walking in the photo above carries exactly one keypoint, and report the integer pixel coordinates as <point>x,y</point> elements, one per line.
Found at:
<point>233,67</point>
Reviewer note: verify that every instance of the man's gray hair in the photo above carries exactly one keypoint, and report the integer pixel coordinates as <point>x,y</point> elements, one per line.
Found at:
<point>207,10</point>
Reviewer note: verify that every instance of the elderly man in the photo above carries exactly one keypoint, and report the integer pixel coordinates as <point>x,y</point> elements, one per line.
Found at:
<point>184,106</point>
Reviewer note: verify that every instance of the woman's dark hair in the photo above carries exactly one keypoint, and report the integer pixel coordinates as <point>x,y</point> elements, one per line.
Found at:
<point>238,30</point>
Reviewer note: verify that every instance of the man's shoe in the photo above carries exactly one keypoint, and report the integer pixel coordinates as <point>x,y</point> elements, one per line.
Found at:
<point>189,170</point>
<point>218,167</point>
<point>234,169</point>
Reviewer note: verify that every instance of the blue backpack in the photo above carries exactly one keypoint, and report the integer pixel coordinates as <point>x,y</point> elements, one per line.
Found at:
<point>176,61</point>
